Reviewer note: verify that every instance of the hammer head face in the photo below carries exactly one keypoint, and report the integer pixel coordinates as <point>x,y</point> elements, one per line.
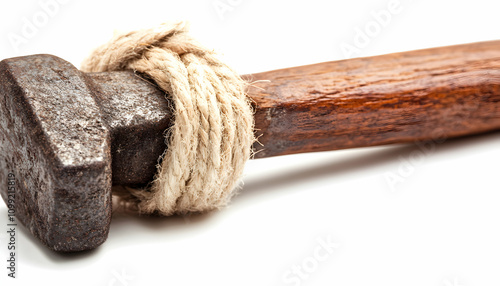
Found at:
<point>55,143</point>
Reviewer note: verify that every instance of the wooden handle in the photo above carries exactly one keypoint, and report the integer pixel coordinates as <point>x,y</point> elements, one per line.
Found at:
<point>419,95</point>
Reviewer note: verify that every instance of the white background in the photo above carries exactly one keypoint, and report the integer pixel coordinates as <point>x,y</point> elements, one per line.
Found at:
<point>439,226</point>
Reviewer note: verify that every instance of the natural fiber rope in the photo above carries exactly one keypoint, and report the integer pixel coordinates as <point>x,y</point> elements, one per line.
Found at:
<point>212,133</point>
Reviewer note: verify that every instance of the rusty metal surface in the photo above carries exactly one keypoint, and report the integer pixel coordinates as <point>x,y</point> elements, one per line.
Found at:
<point>68,136</point>
<point>137,114</point>
<point>55,142</point>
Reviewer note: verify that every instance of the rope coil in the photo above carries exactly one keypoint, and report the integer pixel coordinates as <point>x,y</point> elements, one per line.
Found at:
<point>212,133</point>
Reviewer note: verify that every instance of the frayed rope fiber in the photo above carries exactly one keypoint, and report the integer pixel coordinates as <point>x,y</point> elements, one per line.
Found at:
<point>212,133</point>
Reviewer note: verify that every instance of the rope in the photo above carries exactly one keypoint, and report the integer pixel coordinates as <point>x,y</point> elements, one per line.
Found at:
<point>212,133</point>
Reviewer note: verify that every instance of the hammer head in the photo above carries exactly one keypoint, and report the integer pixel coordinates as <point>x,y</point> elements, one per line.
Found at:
<point>67,137</point>
<point>60,156</point>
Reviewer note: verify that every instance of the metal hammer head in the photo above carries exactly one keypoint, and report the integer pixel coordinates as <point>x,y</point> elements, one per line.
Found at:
<point>67,137</point>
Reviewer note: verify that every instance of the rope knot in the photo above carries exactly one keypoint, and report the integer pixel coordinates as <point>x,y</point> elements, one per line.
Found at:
<point>212,133</point>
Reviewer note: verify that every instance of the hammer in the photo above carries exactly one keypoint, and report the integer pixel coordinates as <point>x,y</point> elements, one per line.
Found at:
<point>67,137</point>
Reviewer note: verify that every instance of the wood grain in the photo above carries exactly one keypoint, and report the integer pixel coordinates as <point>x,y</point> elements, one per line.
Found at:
<point>428,94</point>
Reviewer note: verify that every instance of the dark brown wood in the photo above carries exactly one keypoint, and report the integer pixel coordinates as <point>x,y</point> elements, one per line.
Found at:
<point>403,97</point>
